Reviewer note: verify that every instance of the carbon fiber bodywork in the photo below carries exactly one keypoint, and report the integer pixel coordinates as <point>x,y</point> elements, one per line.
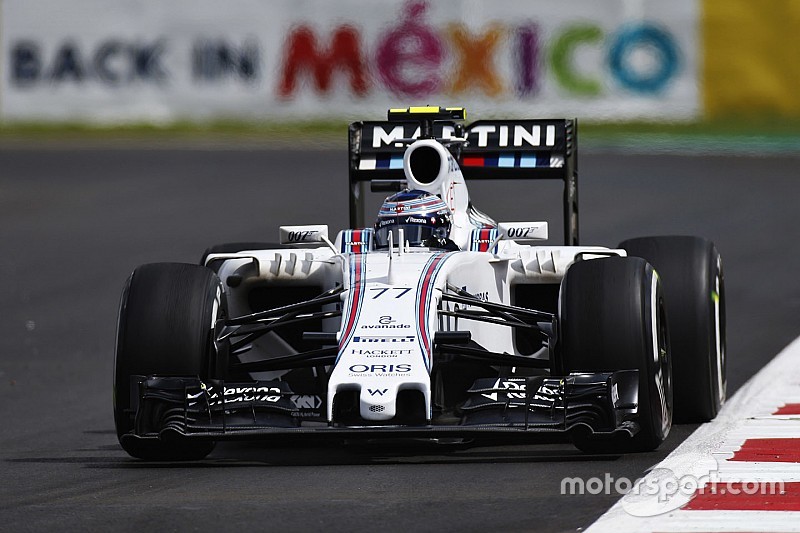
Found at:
<point>600,405</point>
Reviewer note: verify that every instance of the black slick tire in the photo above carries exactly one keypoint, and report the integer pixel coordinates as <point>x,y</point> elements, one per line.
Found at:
<point>694,289</point>
<point>164,328</point>
<point>612,317</point>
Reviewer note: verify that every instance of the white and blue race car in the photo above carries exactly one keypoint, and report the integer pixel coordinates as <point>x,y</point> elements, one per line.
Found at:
<point>435,322</point>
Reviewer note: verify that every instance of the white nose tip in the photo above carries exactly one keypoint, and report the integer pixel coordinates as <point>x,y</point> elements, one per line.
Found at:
<point>378,404</point>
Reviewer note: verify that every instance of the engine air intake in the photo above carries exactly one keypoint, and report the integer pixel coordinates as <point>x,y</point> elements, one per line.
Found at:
<point>424,163</point>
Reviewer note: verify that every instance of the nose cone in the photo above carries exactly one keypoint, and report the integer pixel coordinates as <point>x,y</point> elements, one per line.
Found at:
<point>378,403</point>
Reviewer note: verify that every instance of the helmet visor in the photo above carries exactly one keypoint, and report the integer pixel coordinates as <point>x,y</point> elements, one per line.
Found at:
<point>415,234</point>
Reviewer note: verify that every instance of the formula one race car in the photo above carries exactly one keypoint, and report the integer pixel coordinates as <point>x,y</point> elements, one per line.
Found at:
<point>434,323</point>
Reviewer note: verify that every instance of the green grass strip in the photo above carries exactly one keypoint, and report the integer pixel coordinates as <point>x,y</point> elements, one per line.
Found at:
<point>731,135</point>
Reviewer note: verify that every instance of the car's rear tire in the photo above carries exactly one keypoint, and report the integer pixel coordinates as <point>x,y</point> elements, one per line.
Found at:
<point>690,269</point>
<point>165,327</point>
<point>612,317</point>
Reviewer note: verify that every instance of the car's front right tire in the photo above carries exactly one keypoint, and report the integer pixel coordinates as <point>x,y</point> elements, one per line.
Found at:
<point>165,327</point>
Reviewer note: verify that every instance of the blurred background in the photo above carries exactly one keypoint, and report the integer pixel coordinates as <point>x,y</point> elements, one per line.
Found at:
<point>308,66</point>
<point>135,131</point>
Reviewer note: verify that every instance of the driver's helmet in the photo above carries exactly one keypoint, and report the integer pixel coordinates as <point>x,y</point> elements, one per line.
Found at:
<point>424,218</point>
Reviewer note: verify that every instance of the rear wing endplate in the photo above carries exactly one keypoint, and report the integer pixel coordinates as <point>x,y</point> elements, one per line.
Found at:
<point>486,149</point>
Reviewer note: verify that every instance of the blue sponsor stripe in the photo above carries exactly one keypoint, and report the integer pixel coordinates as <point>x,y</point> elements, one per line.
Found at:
<point>356,241</point>
<point>383,162</point>
<point>358,271</point>
<point>480,239</point>
<point>490,161</point>
<point>505,160</point>
<point>345,241</point>
<point>474,238</point>
<point>423,301</point>
<point>543,159</point>
<point>527,160</point>
<point>396,161</point>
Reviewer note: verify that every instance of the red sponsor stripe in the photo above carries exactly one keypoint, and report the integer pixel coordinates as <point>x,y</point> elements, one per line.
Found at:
<point>357,238</point>
<point>769,451</point>
<point>424,290</point>
<point>357,294</point>
<point>789,409</point>
<point>423,303</point>
<point>472,161</point>
<point>484,236</point>
<point>746,496</point>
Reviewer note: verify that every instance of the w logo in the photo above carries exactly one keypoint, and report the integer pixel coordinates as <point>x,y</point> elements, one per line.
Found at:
<point>379,392</point>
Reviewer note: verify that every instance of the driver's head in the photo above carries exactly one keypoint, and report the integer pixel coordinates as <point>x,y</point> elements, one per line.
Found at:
<point>424,218</point>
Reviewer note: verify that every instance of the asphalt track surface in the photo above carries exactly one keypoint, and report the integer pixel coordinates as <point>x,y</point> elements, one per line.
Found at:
<point>74,223</point>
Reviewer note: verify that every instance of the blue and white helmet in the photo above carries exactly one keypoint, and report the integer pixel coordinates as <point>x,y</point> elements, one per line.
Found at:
<point>424,218</point>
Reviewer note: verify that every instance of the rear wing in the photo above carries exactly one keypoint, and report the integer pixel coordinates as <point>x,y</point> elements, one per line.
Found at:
<point>486,149</point>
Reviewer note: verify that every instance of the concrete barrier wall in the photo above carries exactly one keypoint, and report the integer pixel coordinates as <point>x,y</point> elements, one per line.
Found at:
<point>106,61</point>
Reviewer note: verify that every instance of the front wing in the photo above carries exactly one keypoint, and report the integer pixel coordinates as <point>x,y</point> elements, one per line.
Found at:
<point>593,406</point>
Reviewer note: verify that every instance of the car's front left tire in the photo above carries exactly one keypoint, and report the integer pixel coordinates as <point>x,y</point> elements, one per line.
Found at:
<point>612,317</point>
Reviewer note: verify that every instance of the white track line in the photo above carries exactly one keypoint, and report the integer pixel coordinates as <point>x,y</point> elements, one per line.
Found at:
<point>705,456</point>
